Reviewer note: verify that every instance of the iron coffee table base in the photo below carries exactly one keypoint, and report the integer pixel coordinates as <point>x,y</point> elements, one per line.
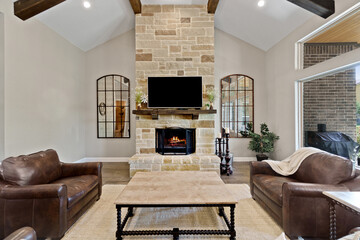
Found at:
<point>176,232</point>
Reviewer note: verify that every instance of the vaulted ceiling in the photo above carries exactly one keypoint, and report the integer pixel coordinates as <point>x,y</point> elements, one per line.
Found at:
<point>107,19</point>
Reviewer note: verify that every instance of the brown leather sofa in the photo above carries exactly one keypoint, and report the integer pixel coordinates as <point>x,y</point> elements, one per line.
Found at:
<point>24,233</point>
<point>296,202</point>
<point>39,191</point>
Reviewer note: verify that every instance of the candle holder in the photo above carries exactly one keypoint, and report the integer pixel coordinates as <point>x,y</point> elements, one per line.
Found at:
<point>227,155</point>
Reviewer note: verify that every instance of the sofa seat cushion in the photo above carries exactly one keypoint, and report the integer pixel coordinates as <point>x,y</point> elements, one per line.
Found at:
<point>271,186</point>
<point>78,187</point>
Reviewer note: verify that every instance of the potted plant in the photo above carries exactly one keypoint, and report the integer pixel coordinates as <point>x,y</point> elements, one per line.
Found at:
<point>263,142</point>
<point>144,100</point>
<point>211,95</point>
<point>248,129</point>
<point>138,95</point>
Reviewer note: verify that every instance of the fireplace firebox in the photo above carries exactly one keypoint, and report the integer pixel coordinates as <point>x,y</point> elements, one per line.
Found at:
<point>175,140</point>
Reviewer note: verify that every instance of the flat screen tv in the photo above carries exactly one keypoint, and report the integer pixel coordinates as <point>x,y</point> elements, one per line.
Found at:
<point>175,92</point>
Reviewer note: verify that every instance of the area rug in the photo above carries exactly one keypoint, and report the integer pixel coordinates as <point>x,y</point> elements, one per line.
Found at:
<point>99,222</point>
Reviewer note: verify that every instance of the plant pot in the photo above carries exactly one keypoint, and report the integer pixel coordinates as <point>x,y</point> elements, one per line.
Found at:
<point>261,157</point>
<point>211,106</point>
<point>138,106</point>
<point>143,105</point>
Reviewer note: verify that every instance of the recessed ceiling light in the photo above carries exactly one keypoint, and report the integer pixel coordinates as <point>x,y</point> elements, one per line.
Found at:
<point>261,3</point>
<point>87,4</point>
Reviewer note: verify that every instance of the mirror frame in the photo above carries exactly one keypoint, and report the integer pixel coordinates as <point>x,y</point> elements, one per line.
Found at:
<point>101,107</point>
<point>237,135</point>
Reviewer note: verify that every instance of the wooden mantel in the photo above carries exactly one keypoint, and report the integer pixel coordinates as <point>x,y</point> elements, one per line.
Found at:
<point>156,112</point>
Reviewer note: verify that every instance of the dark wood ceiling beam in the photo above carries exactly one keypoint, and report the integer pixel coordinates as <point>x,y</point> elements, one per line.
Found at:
<point>212,5</point>
<point>136,6</point>
<point>25,9</point>
<point>323,8</point>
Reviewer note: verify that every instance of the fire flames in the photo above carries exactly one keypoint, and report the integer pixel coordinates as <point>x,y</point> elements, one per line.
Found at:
<point>176,141</point>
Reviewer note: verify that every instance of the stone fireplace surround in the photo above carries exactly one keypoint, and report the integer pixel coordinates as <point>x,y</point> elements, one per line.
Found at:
<point>203,159</point>
<point>174,40</point>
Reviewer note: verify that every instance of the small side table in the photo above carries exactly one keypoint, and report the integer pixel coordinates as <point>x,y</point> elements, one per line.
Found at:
<point>347,200</point>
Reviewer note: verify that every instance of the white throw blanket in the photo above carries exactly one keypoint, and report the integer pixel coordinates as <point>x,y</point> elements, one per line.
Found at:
<point>291,164</point>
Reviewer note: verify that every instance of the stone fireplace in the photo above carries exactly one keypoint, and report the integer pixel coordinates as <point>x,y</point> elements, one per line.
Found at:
<point>174,40</point>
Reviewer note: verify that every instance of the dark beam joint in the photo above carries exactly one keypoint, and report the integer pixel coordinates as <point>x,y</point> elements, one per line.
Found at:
<point>25,9</point>
<point>136,6</point>
<point>323,8</point>
<point>212,5</point>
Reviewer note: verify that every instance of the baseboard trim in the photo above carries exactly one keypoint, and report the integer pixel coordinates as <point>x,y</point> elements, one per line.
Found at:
<point>126,159</point>
<point>103,159</point>
<point>244,159</point>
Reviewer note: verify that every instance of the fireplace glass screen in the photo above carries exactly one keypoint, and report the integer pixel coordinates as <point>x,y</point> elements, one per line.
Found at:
<point>175,141</point>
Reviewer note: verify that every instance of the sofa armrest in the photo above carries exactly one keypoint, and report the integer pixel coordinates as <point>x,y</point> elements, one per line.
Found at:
<point>261,168</point>
<point>297,189</point>
<point>24,233</point>
<point>305,209</point>
<point>77,169</point>
<point>37,206</point>
<point>33,191</point>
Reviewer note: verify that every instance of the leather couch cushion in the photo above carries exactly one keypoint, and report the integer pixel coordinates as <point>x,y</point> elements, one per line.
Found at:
<point>37,168</point>
<point>324,168</point>
<point>78,187</point>
<point>271,186</point>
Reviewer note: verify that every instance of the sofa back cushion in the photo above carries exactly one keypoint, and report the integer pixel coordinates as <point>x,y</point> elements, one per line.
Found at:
<point>37,168</point>
<point>324,168</point>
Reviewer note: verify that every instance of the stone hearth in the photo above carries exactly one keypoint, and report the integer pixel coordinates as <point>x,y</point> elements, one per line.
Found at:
<point>157,162</point>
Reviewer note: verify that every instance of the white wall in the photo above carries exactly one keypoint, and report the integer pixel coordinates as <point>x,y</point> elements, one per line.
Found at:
<point>2,124</point>
<point>281,76</point>
<point>234,56</point>
<point>114,57</point>
<point>44,85</point>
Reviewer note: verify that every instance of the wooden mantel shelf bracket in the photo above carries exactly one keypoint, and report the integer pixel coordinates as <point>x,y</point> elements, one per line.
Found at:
<point>156,112</point>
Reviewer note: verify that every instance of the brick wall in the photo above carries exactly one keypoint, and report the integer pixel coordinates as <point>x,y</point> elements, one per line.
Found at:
<point>332,99</point>
<point>319,52</point>
<point>175,40</point>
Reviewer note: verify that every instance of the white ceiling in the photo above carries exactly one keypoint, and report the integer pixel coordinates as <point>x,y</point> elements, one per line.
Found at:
<point>261,27</point>
<point>106,19</point>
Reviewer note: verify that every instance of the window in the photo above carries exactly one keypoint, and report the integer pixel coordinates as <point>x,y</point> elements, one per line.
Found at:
<point>113,107</point>
<point>237,103</point>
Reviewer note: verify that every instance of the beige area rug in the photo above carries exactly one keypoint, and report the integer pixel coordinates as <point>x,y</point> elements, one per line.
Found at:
<point>99,222</point>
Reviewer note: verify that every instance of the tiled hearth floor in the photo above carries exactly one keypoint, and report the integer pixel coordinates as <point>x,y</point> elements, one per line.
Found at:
<point>118,173</point>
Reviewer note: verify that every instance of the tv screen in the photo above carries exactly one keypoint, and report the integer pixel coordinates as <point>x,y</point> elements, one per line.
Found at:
<point>175,92</point>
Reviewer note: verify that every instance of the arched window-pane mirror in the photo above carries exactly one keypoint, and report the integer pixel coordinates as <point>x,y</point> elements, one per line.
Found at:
<point>113,107</point>
<point>237,103</point>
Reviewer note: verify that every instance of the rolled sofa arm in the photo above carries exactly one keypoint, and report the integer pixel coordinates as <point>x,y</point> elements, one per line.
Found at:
<point>33,191</point>
<point>77,169</point>
<point>261,168</point>
<point>24,233</point>
<point>37,206</point>
<point>305,209</point>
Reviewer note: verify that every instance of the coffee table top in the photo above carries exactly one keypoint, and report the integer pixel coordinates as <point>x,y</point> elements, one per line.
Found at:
<point>175,188</point>
<point>350,199</point>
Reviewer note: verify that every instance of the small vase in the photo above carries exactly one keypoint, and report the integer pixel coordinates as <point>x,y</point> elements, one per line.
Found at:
<point>138,106</point>
<point>143,105</point>
<point>211,106</point>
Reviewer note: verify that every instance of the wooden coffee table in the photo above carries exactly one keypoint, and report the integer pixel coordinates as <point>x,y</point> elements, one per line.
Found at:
<point>347,200</point>
<point>175,189</point>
